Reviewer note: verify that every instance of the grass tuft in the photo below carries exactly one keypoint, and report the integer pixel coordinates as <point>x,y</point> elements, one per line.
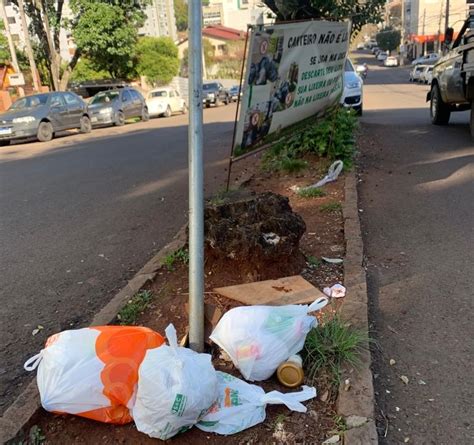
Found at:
<point>331,345</point>
<point>129,314</point>
<point>311,192</point>
<point>178,256</point>
<point>331,207</point>
<point>313,262</point>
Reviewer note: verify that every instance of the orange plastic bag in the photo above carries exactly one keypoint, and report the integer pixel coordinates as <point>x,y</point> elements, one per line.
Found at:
<point>93,372</point>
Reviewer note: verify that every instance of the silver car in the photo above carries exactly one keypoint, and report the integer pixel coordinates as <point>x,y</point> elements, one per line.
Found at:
<point>114,107</point>
<point>42,115</point>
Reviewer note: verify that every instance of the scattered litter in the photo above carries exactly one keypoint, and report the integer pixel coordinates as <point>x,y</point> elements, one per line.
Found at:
<point>260,338</point>
<point>336,291</point>
<point>406,440</point>
<point>241,405</point>
<point>421,382</point>
<point>175,387</point>
<point>290,373</point>
<point>387,391</point>
<point>334,171</point>
<point>336,248</point>
<point>332,260</point>
<point>101,255</point>
<point>332,440</point>
<point>431,400</point>
<point>397,409</point>
<point>37,329</point>
<point>92,371</point>
<point>347,385</point>
<point>392,362</point>
<point>404,379</point>
<point>355,421</point>
<point>271,238</point>
<point>325,396</point>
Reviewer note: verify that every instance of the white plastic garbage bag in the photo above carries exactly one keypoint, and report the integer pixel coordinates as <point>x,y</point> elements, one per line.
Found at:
<point>259,338</point>
<point>176,387</point>
<point>241,405</point>
<point>92,372</point>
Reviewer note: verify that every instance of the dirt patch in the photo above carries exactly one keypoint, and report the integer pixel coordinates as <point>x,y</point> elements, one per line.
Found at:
<point>324,237</point>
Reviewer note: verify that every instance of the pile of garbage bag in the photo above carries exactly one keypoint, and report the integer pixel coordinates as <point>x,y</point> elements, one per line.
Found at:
<point>117,374</point>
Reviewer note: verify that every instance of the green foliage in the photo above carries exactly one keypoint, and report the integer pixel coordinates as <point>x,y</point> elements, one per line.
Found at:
<point>361,13</point>
<point>129,314</point>
<point>4,50</point>
<point>157,59</point>
<point>107,32</point>
<point>179,256</point>
<point>332,137</point>
<point>86,70</point>
<point>311,192</point>
<point>330,346</point>
<point>313,262</point>
<point>388,39</point>
<point>331,207</point>
<point>181,14</point>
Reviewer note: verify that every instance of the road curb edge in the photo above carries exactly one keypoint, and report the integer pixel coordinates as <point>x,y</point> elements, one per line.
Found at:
<point>359,400</point>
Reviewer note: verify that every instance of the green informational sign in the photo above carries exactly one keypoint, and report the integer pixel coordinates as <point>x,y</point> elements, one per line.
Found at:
<point>294,71</point>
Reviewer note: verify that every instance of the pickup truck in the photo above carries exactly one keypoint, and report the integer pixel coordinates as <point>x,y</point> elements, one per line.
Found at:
<point>452,87</point>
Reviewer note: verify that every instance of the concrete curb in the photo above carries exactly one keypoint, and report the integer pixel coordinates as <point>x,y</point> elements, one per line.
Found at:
<point>19,414</point>
<point>359,399</point>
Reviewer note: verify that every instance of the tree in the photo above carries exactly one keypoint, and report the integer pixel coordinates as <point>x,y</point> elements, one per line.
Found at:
<point>181,14</point>
<point>103,30</point>
<point>361,13</point>
<point>388,39</point>
<point>86,70</point>
<point>4,50</point>
<point>157,59</point>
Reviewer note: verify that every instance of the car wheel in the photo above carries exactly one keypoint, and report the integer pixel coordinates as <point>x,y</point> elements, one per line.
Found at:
<point>167,113</point>
<point>4,143</point>
<point>119,119</point>
<point>86,125</point>
<point>145,114</point>
<point>359,110</point>
<point>208,105</point>
<point>218,102</point>
<point>45,132</point>
<point>227,101</point>
<point>439,111</point>
<point>184,109</point>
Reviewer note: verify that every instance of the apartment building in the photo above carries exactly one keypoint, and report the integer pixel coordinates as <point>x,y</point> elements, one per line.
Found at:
<point>424,22</point>
<point>235,13</point>
<point>161,21</point>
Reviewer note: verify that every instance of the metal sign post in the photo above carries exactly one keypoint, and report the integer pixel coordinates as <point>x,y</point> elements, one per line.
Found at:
<point>196,187</point>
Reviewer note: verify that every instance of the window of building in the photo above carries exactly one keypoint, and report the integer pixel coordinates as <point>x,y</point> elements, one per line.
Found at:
<point>11,20</point>
<point>16,38</point>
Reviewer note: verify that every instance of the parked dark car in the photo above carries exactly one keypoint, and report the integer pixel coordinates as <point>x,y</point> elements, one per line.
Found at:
<point>42,115</point>
<point>214,94</point>
<point>114,107</point>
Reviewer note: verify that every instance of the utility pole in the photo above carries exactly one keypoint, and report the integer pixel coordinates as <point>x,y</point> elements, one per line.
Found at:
<point>424,40</point>
<point>11,45</point>
<point>446,16</point>
<point>28,48</point>
<point>403,48</point>
<point>196,173</point>
<point>439,26</point>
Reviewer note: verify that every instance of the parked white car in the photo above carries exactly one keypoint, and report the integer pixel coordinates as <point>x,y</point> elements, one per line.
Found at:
<point>391,61</point>
<point>415,73</point>
<point>426,75</point>
<point>353,84</point>
<point>165,102</point>
<point>430,58</point>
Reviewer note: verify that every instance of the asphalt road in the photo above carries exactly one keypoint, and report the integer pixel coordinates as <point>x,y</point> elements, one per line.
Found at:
<point>80,215</point>
<point>417,215</point>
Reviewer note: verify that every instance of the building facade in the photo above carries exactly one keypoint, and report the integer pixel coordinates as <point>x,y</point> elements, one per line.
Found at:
<point>161,21</point>
<point>235,13</point>
<point>424,23</point>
